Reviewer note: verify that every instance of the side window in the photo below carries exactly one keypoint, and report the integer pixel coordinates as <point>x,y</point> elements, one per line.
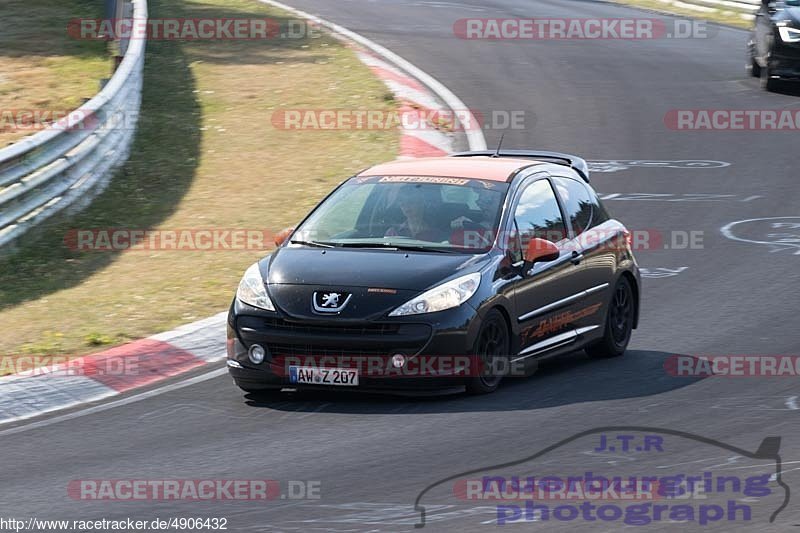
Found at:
<point>579,203</point>
<point>537,215</point>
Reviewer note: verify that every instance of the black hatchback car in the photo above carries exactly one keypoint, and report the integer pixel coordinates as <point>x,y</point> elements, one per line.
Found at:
<point>774,47</point>
<point>438,274</point>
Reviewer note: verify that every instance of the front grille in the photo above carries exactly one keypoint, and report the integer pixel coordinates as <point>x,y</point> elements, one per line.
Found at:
<point>308,329</point>
<point>312,350</point>
<point>288,338</point>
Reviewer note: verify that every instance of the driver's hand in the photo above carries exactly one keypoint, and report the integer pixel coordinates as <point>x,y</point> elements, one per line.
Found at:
<point>459,222</point>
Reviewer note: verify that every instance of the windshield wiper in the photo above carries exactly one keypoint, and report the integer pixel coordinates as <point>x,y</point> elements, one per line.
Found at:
<point>393,246</point>
<point>313,243</point>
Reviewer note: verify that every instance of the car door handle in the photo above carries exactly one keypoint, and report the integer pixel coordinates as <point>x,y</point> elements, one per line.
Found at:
<point>577,257</point>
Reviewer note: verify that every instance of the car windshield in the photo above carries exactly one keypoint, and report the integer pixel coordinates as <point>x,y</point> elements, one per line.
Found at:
<point>408,212</point>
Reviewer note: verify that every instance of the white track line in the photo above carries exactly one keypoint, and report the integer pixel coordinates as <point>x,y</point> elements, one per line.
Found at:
<point>475,137</point>
<point>791,403</point>
<point>118,403</point>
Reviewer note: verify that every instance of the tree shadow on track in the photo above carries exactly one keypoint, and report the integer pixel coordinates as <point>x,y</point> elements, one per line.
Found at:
<point>573,378</point>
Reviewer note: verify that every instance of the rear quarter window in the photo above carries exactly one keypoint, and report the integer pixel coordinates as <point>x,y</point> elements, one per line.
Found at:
<point>583,208</point>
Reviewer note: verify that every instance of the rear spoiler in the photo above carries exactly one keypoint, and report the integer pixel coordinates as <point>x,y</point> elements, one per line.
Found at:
<point>574,162</point>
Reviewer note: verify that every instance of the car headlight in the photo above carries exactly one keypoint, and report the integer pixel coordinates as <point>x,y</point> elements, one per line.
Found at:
<point>445,296</point>
<point>789,35</point>
<point>253,291</point>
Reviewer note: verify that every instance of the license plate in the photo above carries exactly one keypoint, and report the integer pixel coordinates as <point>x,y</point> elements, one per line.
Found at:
<point>341,377</point>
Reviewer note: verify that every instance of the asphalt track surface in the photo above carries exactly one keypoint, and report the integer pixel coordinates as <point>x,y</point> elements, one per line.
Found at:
<point>372,455</point>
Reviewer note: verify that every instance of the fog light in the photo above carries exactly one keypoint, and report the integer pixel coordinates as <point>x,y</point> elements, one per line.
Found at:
<point>257,353</point>
<point>398,360</point>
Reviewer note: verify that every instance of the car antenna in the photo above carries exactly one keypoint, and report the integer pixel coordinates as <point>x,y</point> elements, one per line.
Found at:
<point>497,152</point>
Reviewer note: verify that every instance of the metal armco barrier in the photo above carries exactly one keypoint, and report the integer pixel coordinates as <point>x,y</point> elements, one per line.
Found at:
<point>72,161</point>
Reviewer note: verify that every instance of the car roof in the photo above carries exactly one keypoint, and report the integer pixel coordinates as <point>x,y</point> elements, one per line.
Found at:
<point>486,168</point>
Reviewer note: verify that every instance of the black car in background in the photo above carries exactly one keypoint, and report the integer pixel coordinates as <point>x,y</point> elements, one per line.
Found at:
<point>774,47</point>
<point>438,273</point>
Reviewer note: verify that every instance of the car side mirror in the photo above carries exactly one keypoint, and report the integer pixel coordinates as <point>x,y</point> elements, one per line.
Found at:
<point>283,235</point>
<point>539,250</point>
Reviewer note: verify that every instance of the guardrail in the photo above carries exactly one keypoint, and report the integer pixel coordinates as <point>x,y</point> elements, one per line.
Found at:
<point>69,163</point>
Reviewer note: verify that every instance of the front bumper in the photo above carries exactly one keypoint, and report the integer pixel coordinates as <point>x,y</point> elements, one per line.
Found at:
<point>435,346</point>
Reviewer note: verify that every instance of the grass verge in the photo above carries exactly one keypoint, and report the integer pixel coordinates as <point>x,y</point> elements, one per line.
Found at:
<point>721,16</point>
<point>41,67</point>
<point>205,156</point>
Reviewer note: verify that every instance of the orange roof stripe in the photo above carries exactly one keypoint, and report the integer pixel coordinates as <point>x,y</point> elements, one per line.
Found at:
<point>486,168</point>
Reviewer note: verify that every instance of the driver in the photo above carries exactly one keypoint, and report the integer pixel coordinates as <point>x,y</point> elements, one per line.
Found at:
<point>414,202</point>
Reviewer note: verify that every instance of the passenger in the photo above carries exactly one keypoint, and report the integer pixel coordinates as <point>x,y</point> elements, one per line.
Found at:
<point>476,232</point>
<point>486,203</point>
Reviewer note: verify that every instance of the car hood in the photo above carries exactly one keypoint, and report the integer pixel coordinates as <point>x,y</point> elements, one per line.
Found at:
<point>384,269</point>
<point>793,13</point>
<point>371,282</point>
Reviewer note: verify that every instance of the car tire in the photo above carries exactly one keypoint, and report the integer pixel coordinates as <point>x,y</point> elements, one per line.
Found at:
<point>619,323</point>
<point>754,67</point>
<point>768,83</point>
<point>491,352</point>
